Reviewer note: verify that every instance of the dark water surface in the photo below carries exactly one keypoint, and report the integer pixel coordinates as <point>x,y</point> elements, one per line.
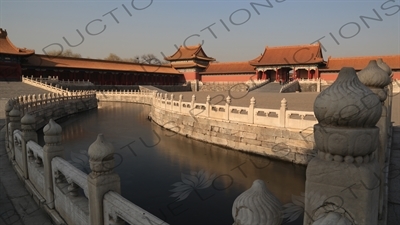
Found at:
<point>150,160</point>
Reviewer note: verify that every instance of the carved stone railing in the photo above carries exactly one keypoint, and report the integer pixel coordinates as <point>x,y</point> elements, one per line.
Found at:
<point>69,195</point>
<point>249,115</point>
<point>59,104</point>
<point>125,96</point>
<point>67,181</point>
<point>118,209</point>
<point>43,85</point>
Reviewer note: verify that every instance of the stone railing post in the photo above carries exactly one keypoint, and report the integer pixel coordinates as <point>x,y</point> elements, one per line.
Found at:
<point>51,149</point>
<point>7,108</point>
<point>227,106</point>
<point>257,205</point>
<point>14,124</point>
<point>282,113</point>
<point>193,101</point>
<point>208,108</point>
<point>28,127</point>
<point>172,102</point>
<point>251,110</point>
<point>377,77</point>
<point>180,102</point>
<point>165,100</point>
<point>345,174</point>
<point>102,178</point>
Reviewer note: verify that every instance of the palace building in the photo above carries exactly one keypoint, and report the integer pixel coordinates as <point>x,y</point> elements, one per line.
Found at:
<point>188,63</point>
<point>15,62</point>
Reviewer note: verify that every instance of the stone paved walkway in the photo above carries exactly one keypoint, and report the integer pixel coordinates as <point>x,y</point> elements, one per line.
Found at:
<point>16,205</point>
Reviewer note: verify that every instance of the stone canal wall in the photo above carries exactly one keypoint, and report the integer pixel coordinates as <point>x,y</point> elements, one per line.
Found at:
<point>292,145</point>
<point>281,134</point>
<point>277,133</point>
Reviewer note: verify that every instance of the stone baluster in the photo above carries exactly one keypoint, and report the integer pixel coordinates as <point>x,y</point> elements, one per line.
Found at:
<point>344,176</point>
<point>282,113</point>
<point>8,107</point>
<point>102,179</point>
<point>180,102</point>
<point>227,107</point>
<point>257,205</point>
<point>165,100</point>
<point>51,149</point>
<point>34,103</point>
<point>172,102</point>
<point>39,101</point>
<point>44,99</point>
<point>49,98</point>
<point>193,101</point>
<point>14,124</point>
<point>377,79</point>
<point>208,105</point>
<point>28,127</point>
<point>251,110</point>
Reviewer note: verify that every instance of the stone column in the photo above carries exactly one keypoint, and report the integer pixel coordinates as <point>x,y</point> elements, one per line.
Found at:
<point>343,180</point>
<point>257,205</point>
<point>28,127</point>
<point>227,104</point>
<point>193,101</point>
<point>14,124</point>
<point>377,79</point>
<point>165,100</point>
<point>251,110</point>
<point>282,113</point>
<point>8,108</point>
<point>208,105</point>
<point>102,179</point>
<point>180,102</point>
<point>52,148</point>
<point>172,102</point>
<point>319,85</point>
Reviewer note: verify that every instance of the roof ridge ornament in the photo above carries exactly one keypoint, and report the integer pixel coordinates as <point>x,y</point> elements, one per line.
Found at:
<point>3,33</point>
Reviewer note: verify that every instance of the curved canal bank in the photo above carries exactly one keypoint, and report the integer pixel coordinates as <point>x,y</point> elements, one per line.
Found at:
<point>278,133</point>
<point>152,161</point>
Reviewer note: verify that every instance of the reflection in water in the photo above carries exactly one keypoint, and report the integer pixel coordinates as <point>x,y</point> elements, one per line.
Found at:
<point>159,168</point>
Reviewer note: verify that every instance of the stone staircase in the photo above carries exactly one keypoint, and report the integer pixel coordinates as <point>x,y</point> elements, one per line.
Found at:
<point>270,87</point>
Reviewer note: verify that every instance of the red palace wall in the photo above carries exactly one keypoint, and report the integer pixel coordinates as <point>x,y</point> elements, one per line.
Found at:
<point>333,76</point>
<point>228,78</point>
<point>191,76</point>
<point>328,76</point>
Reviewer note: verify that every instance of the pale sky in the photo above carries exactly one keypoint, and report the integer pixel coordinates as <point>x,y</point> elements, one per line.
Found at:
<point>132,28</point>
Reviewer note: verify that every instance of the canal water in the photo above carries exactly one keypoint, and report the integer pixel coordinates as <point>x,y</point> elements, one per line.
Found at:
<point>179,180</point>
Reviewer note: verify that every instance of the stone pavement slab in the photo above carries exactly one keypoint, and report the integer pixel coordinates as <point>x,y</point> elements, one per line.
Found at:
<point>16,204</point>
